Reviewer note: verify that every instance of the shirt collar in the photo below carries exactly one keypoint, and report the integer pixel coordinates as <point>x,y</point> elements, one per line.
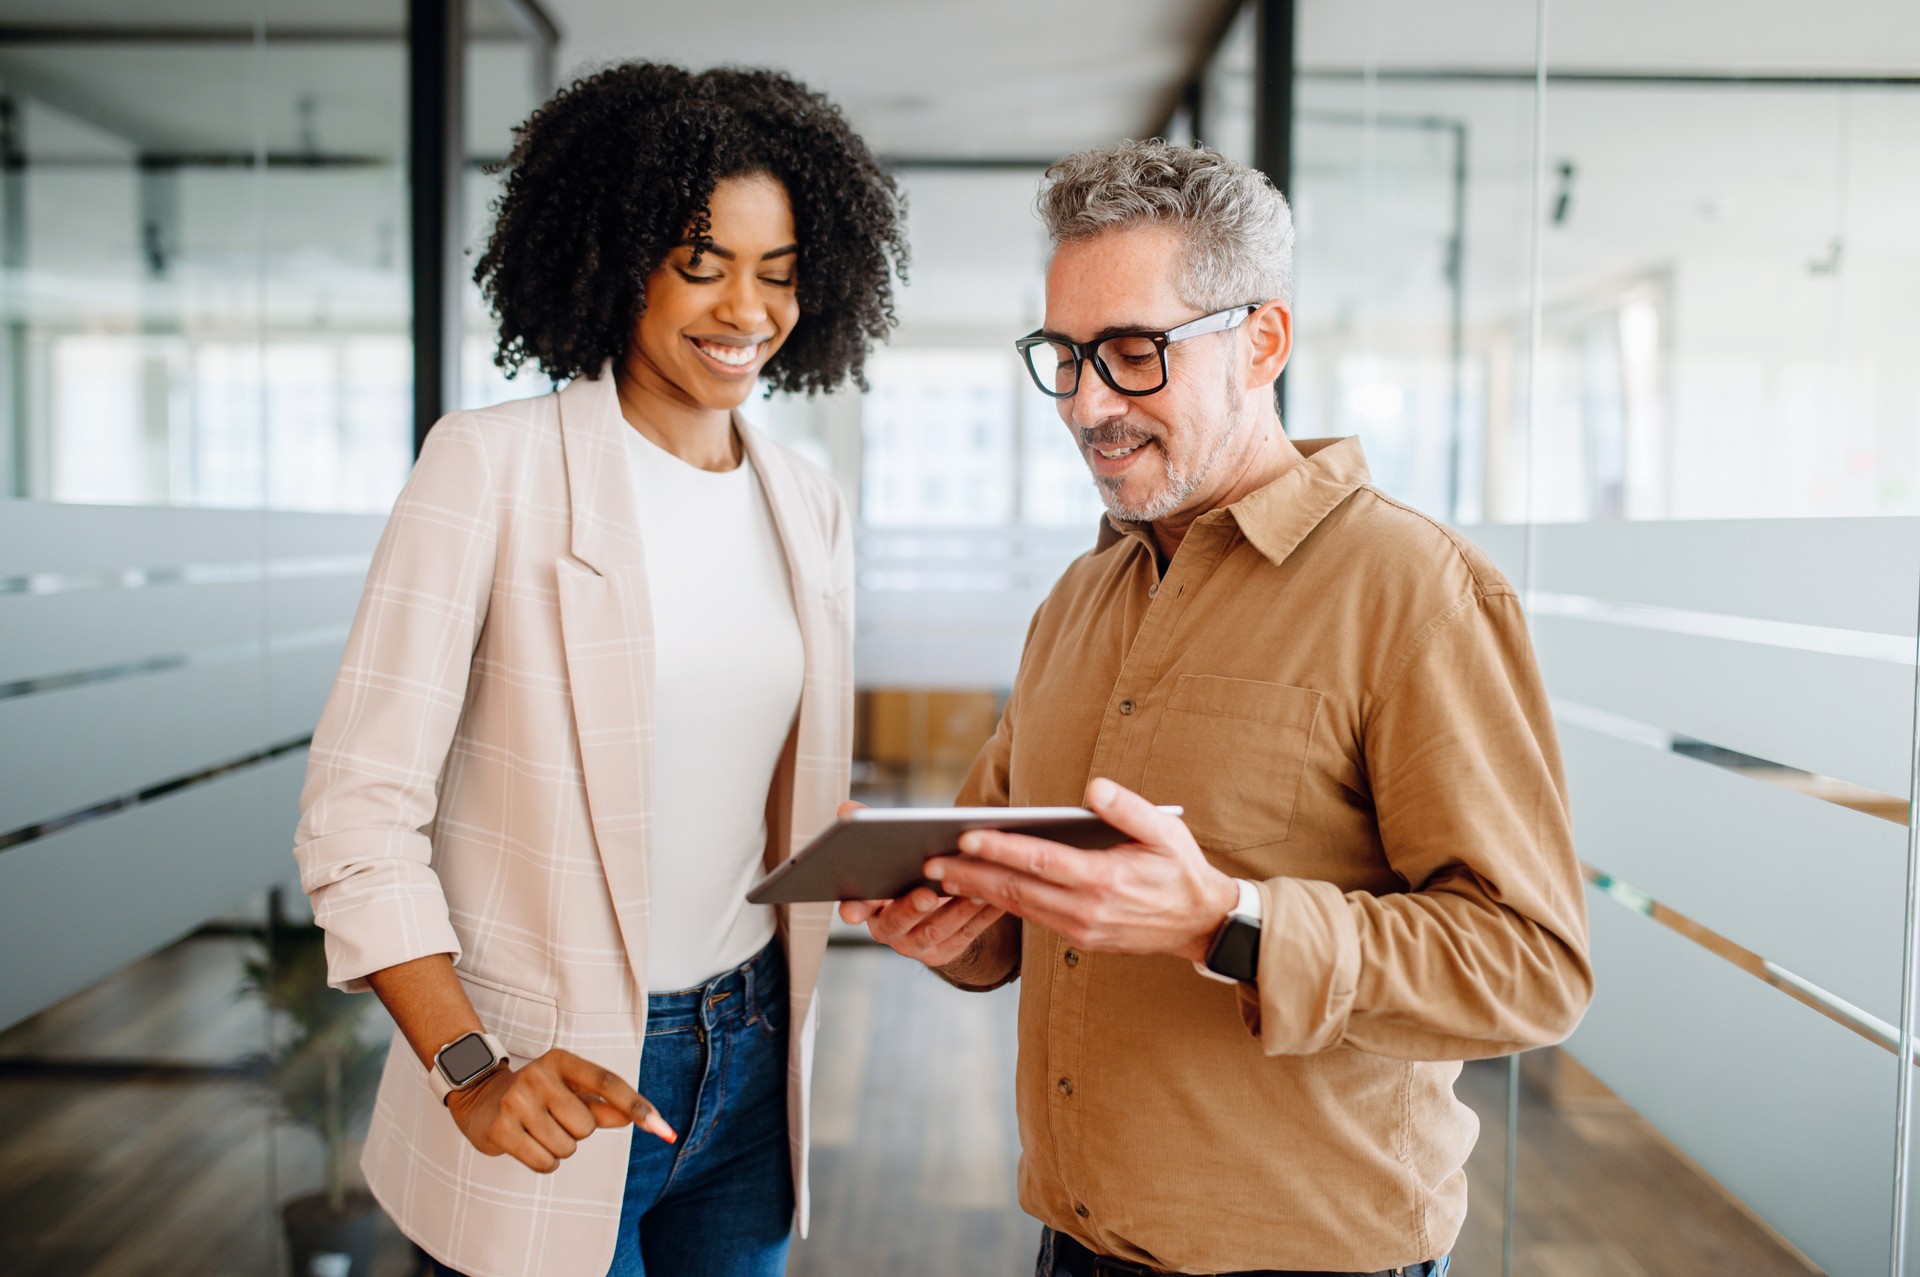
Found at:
<point>1278,517</point>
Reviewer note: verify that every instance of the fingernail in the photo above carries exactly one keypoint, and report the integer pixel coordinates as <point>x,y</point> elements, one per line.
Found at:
<point>936,870</point>
<point>925,903</point>
<point>1101,792</point>
<point>975,900</point>
<point>969,843</point>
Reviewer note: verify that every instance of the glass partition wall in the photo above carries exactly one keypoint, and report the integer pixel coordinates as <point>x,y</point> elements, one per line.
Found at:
<point>1632,314</point>
<point>206,406</point>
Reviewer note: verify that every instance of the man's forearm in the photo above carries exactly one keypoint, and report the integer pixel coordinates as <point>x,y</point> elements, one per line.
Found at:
<point>993,959</point>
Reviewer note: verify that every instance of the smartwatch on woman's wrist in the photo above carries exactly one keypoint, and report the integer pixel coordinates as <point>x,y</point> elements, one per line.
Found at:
<point>464,1062</point>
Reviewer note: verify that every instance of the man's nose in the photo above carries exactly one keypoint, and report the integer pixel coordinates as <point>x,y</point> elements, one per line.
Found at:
<point>1095,402</point>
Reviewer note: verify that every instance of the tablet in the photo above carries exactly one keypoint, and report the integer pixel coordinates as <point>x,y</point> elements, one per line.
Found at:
<point>877,853</point>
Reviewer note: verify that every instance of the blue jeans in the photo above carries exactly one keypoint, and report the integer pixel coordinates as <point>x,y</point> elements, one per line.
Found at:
<point>720,1202</point>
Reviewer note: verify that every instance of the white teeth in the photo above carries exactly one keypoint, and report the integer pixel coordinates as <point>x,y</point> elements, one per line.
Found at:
<point>1115,456</point>
<point>736,356</point>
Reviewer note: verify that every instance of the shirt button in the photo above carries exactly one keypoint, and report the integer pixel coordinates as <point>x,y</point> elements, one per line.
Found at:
<point>1080,1209</point>
<point>1071,957</point>
<point>1066,1086</point>
<point>1126,707</point>
<point>1153,589</point>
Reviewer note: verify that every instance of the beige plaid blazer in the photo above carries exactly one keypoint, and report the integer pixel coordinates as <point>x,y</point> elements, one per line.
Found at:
<point>479,785</point>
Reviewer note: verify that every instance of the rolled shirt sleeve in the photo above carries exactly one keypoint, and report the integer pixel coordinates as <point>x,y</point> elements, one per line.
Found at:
<point>1485,952</point>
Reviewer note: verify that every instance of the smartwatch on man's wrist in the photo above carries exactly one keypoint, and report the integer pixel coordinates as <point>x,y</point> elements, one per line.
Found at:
<point>465,1062</point>
<point>1235,951</point>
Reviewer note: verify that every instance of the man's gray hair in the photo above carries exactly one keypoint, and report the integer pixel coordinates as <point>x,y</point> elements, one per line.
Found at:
<point>1237,229</point>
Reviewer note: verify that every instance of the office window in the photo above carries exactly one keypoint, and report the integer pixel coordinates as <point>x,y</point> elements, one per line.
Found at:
<point>937,439</point>
<point>198,285</point>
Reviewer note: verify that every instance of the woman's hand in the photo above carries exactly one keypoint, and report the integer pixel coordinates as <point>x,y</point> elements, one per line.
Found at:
<point>540,1112</point>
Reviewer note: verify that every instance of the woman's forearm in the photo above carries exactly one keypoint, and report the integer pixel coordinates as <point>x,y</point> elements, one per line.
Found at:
<point>428,1002</point>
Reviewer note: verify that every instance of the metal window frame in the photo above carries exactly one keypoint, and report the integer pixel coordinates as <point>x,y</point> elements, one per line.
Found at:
<point>436,160</point>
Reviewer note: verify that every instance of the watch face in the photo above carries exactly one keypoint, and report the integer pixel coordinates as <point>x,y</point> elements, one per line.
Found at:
<point>1236,953</point>
<point>466,1059</point>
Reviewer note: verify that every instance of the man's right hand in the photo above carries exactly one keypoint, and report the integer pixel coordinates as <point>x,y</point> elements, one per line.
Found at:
<point>541,1111</point>
<point>923,924</point>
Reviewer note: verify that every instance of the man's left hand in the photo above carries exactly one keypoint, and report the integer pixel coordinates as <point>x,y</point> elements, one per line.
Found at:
<point>1156,894</point>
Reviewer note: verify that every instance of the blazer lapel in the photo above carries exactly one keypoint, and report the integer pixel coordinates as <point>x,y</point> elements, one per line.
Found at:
<point>606,621</point>
<point>796,810</point>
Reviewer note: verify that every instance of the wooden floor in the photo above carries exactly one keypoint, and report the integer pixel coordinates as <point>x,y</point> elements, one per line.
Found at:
<point>913,1166</point>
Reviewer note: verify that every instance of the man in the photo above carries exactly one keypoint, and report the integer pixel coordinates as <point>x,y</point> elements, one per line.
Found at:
<point>1375,861</point>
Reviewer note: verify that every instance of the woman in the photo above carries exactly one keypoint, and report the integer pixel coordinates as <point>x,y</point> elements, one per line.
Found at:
<point>599,681</point>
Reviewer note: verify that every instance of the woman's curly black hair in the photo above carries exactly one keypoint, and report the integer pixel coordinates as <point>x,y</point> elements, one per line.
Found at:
<point>616,168</point>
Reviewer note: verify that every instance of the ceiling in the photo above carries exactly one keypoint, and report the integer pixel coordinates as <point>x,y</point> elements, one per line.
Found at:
<point>1659,169</point>
<point>976,79</point>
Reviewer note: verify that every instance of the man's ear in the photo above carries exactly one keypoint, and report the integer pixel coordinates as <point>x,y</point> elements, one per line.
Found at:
<point>1270,334</point>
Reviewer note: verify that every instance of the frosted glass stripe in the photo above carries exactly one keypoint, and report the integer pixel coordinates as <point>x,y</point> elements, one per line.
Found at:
<point>51,536</point>
<point>87,900</point>
<point>296,605</point>
<point>1852,574</point>
<point>57,537</point>
<point>298,680</point>
<point>1811,886</point>
<point>1845,717</point>
<point>1792,1112</point>
<point>1506,545</point>
<point>68,637</point>
<point>63,633</point>
<point>67,750</point>
<point>293,534</point>
<point>1741,629</point>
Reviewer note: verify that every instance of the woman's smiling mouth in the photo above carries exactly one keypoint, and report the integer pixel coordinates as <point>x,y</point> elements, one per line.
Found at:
<point>729,357</point>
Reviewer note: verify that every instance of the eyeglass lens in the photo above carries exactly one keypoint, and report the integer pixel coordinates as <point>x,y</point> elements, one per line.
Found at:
<point>1131,363</point>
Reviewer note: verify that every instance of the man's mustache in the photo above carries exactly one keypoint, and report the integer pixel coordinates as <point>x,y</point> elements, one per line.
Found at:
<point>1113,434</point>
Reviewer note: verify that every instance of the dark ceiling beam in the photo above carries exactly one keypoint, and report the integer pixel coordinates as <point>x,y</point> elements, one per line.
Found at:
<point>1214,35</point>
<point>533,20</point>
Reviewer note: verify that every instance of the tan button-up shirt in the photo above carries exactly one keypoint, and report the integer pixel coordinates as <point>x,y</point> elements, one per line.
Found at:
<point>1342,695</point>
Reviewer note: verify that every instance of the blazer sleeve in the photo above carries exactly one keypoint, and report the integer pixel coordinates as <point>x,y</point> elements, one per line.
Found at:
<point>382,741</point>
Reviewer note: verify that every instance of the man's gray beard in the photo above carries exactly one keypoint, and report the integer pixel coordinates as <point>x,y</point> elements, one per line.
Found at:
<point>1180,487</point>
<point>1171,498</point>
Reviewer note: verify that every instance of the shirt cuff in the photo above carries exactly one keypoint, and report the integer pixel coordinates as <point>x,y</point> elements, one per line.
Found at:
<point>1249,906</point>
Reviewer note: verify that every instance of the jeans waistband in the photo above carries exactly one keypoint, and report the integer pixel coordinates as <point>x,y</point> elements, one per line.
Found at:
<point>741,994</point>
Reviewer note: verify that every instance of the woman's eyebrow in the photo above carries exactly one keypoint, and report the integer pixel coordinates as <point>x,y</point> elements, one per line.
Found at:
<point>727,254</point>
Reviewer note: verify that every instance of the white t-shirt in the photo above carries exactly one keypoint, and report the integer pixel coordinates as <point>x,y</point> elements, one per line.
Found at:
<point>728,668</point>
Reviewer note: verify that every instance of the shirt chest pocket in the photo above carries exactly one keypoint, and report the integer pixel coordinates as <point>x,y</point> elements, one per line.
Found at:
<point>1232,752</point>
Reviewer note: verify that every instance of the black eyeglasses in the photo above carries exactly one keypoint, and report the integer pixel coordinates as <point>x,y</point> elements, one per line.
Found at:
<point>1133,363</point>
